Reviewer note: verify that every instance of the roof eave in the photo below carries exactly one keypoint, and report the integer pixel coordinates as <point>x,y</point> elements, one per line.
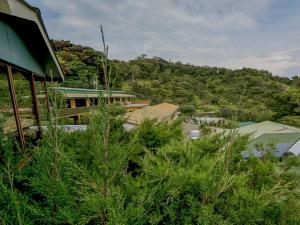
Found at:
<point>50,49</point>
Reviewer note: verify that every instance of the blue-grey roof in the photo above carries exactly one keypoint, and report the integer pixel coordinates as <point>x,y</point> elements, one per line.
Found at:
<point>277,149</point>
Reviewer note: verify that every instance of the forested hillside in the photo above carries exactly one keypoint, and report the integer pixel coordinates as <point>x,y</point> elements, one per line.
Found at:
<point>247,94</point>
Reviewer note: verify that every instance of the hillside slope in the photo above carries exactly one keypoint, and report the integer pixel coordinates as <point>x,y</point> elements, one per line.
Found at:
<point>249,94</point>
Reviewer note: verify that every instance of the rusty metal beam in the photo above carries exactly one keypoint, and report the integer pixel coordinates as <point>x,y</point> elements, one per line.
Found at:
<point>15,105</point>
<point>35,105</point>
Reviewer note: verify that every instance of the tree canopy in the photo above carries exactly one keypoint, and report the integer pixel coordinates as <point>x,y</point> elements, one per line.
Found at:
<point>247,94</point>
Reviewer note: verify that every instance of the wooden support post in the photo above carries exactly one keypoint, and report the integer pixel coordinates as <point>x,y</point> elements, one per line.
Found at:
<point>12,91</point>
<point>73,103</point>
<point>35,105</point>
<point>46,96</point>
<point>88,102</point>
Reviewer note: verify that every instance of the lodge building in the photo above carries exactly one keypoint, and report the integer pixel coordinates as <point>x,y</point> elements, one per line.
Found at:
<point>79,97</point>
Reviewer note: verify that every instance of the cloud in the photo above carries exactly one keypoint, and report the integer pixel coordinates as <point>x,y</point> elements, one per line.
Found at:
<point>228,32</point>
<point>278,62</point>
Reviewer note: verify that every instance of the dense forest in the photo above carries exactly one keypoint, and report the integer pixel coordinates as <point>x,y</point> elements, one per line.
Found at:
<point>245,94</point>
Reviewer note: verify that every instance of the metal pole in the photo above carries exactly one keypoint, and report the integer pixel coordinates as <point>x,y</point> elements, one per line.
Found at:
<point>35,105</point>
<point>15,105</point>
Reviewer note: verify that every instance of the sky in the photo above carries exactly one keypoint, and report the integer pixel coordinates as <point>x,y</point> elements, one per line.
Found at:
<point>262,34</point>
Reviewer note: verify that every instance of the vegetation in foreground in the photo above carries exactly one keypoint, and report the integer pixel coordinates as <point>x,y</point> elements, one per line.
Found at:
<point>155,176</point>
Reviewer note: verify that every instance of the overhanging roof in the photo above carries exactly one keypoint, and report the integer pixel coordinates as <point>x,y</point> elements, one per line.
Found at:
<point>24,41</point>
<point>104,95</point>
<point>80,93</point>
<point>68,90</point>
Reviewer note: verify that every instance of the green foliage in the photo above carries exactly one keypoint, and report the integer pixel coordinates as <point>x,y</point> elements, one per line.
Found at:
<point>187,109</point>
<point>288,103</point>
<point>291,120</point>
<point>190,183</point>
<point>177,181</point>
<point>154,135</point>
<point>245,94</point>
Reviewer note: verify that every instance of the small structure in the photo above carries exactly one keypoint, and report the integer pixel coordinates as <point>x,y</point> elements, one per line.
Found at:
<point>192,131</point>
<point>276,137</point>
<point>164,112</point>
<point>25,51</point>
<point>210,121</point>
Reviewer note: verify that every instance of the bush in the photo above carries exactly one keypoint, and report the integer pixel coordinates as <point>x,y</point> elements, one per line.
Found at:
<point>187,109</point>
<point>176,181</point>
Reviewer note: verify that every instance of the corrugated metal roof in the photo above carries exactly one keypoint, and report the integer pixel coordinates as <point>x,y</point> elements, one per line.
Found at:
<point>24,26</point>
<point>84,96</point>
<point>166,107</point>
<point>266,136</point>
<point>104,95</point>
<point>15,51</point>
<point>266,127</point>
<point>68,90</point>
<point>278,138</point>
<point>161,112</point>
<point>73,93</point>
<point>277,149</point>
<point>274,138</point>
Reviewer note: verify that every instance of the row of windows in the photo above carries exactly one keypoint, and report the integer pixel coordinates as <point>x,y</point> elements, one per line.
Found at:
<point>93,101</point>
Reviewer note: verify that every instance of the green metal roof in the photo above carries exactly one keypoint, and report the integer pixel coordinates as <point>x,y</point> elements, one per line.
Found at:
<point>24,40</point>
<point>268,133</point>
<point>80,93</point>
<point>275,138</point>
<point>247,123</point>
<point>14,50</point>
<point>67,90</point>
<point>267,127</point>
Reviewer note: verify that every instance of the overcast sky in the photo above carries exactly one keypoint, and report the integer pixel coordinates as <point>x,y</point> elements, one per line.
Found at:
<point>263,34</point>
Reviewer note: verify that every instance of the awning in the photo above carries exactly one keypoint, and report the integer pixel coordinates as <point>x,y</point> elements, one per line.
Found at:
<point>24,41</point>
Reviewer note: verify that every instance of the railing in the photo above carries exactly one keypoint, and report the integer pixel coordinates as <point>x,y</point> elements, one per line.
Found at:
<point>69,112</point>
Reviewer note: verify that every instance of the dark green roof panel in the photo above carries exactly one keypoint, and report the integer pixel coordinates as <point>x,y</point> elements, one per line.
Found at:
<point>67,90</point>
<point>15,51</point>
